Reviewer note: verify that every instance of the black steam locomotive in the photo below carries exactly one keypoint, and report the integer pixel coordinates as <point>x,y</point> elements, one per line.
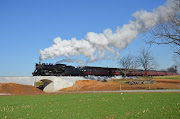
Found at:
<point>64,70</point>
<point>55,70</point>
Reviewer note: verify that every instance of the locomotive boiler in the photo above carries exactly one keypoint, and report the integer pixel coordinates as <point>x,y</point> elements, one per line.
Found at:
<point>55,70</point>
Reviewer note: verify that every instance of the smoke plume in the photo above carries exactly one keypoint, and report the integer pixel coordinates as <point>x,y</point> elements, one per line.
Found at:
<point>95,46</point>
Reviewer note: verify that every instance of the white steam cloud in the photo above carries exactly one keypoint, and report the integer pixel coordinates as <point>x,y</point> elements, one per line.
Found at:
<point>95,46</point>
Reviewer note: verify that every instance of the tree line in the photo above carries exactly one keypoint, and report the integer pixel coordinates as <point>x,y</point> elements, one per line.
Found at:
<point>144,59</point>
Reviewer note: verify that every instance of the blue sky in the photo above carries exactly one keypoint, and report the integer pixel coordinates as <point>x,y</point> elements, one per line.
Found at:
<point>26,26</point>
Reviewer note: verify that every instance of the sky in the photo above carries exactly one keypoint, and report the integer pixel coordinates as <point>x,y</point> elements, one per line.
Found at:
<point>27,26</point>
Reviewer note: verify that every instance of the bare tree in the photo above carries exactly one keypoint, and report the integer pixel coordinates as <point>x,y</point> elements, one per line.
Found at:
<point>172,69</point>
<point>167,31</point>
<point>127,62</point>
<point>146,60</point>
<point>176,59</point>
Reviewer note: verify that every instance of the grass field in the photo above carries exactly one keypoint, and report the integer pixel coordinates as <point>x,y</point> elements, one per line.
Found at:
<point>175,77</point>
<point>39,83</point>
<point>92,106</point>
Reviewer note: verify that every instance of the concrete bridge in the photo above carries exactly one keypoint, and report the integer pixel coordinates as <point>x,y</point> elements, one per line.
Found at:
<point>51,83</point>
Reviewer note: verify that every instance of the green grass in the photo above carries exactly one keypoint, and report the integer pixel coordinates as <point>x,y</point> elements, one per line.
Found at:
<point>175,77</point>
<point>39,83</point>
<point>92,106</point>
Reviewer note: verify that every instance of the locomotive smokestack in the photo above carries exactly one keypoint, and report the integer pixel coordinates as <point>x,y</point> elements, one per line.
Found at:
<point>39,60</point>
<point>96,46</point>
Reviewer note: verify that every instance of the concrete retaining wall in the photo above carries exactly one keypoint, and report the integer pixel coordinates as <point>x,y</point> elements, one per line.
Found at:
<point>24,80</point>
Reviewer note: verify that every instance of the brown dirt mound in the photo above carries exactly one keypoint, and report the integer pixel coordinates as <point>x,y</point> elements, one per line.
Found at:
<point>18,89</point>
<point>92,85</point>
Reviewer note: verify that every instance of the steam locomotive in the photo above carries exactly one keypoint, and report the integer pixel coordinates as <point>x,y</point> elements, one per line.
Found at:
<point>55,70</point>
<point>64,70</point>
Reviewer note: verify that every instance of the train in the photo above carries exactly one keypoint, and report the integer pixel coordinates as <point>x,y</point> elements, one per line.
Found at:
<point>46,69</point>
